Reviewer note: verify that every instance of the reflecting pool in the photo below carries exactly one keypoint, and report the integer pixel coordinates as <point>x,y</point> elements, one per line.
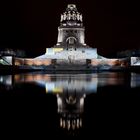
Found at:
<point>74,104</point>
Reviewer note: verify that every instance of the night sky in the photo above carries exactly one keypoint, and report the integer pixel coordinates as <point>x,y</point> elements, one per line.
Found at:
<point>111,25</point>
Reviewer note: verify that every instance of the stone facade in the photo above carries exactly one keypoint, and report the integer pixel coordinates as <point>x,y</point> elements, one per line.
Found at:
<point>70,47</point>
<point>70,51</point>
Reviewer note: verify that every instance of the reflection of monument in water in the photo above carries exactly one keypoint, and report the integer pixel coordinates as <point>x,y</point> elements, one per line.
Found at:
<point>70,109</point>
<point>71,90</point>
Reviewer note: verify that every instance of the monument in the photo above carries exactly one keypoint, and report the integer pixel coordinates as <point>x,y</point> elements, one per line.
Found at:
<point>70,52</point>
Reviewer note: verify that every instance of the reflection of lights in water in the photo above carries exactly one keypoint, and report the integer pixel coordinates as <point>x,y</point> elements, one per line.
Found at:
<point>61,83</point>
<point>57,83</point>
<point>71,124</point>
<point>1,79</point>
<point>112,78</point>
<point>51,88</point>
<point>70,109</point>
<point>6,79</point>
<point>71,100</point>
<point>59,103</point>
<point>135,80</point>
<point>71,90</point>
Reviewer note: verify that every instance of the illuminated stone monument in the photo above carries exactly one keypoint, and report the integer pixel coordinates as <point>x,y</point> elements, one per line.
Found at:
<point>70,51</point>
<point>70,48</point>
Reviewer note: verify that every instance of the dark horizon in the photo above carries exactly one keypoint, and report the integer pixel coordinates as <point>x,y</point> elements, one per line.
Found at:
<point>32,25</point>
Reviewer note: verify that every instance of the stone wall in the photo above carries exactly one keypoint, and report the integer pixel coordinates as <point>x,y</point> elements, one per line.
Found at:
<point>32,62</point>
<point>110,62</point>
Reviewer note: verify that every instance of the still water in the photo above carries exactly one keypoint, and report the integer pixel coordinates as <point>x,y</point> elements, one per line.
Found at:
<point>73,104</point>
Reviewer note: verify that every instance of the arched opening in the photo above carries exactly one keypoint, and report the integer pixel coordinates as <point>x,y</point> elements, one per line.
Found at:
<point>71,40</point>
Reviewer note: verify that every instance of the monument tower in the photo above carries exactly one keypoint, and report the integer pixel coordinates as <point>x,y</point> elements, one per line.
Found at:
<point>70,50</point>
<point>71,29</point>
